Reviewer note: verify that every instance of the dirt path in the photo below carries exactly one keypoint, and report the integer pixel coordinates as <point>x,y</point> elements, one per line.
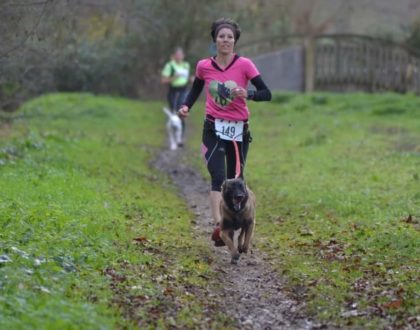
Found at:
<point>252,292</point>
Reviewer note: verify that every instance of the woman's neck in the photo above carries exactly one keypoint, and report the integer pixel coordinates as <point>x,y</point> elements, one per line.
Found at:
<point>224,59</point>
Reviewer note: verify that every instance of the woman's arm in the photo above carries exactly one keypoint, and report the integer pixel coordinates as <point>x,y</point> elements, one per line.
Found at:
<point>262,93</point>
<point>166,80</point>
<point>167,74</point>
<point>194,93</point>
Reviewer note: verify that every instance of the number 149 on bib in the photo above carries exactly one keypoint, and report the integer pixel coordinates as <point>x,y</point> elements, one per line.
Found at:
<point>229,130</point>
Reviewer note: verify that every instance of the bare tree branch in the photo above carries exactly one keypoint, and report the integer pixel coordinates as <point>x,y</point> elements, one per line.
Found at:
<point>28,35</point>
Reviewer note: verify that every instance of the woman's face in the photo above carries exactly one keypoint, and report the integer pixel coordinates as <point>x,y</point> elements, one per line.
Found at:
<point>178,55</point>
<point>225,41</point>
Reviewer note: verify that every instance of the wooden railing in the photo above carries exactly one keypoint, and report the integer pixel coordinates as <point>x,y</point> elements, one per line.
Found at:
<point>353,62</point>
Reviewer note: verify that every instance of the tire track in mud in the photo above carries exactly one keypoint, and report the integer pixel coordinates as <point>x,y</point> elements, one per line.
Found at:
<point>252,292</point>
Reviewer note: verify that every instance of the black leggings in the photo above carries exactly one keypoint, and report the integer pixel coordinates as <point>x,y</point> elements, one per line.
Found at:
<point>176,97</point>
<point>220,155</point>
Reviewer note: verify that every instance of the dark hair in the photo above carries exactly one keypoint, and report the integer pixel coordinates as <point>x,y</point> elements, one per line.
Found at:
<point>225,23</point>
<point>178,49</point>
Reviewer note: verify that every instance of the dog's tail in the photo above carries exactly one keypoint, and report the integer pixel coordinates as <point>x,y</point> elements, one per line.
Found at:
<point>168,112</point>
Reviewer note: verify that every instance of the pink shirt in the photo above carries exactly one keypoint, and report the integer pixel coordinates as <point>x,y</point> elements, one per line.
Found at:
<point>219,82</point>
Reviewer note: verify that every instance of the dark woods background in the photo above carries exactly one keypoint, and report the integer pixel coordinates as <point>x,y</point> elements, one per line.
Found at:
<point>119,47</point>
<point>107,46</point>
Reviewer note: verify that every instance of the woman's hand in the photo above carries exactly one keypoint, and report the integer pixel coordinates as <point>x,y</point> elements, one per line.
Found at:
<point>239,92</point>
<point>183,111</point>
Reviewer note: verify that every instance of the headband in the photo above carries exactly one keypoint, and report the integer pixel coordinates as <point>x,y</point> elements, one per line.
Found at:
<point>226,25</point>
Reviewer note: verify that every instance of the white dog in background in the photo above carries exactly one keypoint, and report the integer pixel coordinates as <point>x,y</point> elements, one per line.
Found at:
<point>174,127</point>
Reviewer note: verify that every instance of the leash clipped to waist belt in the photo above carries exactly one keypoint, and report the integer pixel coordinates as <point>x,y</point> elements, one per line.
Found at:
<point>237,159</point>
<point>237,156</point>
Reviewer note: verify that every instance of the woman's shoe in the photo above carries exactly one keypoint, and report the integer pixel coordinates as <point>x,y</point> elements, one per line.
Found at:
<point>216,237</point>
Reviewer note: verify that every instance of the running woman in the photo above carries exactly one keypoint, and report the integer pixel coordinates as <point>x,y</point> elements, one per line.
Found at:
<point>176,74</point>
<point>225,78</point>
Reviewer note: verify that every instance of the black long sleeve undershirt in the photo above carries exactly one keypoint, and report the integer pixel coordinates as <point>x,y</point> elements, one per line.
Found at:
<point>261,94</point>
<point>194,93</point>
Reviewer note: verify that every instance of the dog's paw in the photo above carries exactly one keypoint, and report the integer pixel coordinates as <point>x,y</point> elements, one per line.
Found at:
<point>243,249</point>
<point>235,258</point>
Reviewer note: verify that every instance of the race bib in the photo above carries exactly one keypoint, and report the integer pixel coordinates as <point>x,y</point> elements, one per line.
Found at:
<point>229,129</point>
<point>182,72</point>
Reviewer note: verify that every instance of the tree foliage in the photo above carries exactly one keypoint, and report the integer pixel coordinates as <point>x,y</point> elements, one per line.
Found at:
<point>113,47</point>
<point>413,36</point>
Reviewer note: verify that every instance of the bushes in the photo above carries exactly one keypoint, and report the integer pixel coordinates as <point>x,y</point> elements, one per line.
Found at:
<point>96,68</point>
<point>105,67</point>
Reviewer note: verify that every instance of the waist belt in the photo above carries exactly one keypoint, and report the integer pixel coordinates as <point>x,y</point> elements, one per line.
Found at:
<point>212,119</point>
<point>209,124</point>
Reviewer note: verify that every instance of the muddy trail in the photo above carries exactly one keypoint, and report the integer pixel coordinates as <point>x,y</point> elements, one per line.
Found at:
<point>252,293</point>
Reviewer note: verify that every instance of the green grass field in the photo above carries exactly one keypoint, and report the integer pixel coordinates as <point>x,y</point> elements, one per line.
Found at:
<point>337,178</point>
<point>75,190</point>
<point>87,242</point>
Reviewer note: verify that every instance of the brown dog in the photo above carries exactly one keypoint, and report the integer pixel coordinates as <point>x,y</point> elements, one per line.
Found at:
<point>237,210</point>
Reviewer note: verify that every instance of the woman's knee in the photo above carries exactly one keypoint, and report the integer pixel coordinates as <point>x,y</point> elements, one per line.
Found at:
<point>217,181</point>
<point>217,174</point>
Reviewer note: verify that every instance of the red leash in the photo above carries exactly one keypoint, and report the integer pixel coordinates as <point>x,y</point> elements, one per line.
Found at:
<point>216,233</point>
<point>238,160</point>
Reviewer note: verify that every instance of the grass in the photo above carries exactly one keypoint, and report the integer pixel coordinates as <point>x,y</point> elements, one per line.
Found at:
<point>86,241</point>
<point>337,183</point>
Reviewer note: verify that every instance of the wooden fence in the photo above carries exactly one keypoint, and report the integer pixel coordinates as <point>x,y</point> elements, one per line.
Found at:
<point>350,62</point>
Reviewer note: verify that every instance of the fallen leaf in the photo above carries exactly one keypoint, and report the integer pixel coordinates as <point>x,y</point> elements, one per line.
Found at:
<point>141,240</point>
<point>116,277</point>
<point>393,304</point>
<point>168,292</point>
<point>209,260</point>
<point>409,219</point>
<point>155,312</point>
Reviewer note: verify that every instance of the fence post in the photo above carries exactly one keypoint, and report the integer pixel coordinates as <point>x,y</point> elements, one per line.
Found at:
<point>309,47</point>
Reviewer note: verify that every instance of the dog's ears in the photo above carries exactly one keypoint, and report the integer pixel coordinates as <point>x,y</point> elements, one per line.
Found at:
<point>224,185</point>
